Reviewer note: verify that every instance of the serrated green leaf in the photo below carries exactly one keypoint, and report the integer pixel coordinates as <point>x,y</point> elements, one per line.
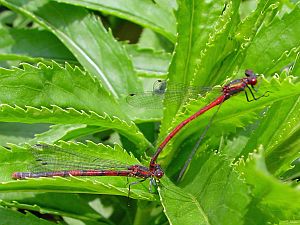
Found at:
<point>234,147</point>
<point>29,45</point>
<point>280,200</point>
<point>228,43</point>
<point>279,158</point>
<point>278,136</point>
<point>218,56</point>
<point>217,188</point>
<point>248,28</point>
<point>196,20</point>
<point>157,17</point>
<point>19,159</point>
<point>276,45</point>
<point>234,113</point>
<point>213,191</point>
<point>94,48</point>
<point>63,96</point>
<point>62,116</point>
<point>55,85</point>
<point>181,207</point>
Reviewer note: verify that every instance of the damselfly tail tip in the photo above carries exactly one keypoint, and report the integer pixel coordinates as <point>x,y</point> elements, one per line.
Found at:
<point>17,175</point>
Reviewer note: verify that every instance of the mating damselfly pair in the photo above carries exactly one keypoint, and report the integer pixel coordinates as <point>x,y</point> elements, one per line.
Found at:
<point>51,161</point>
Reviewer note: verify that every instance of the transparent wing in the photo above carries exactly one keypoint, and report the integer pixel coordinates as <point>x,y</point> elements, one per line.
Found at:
<point>52,158</point>
<point>146,100</point>
<point>176,92</point>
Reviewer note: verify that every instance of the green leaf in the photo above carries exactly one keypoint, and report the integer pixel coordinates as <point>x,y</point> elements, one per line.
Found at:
<point>70,220</point>
<point>294,172</point>
<point>32,45</point>
<point>196,20</point>
<point>157,17</point>
<point>51,203</point>
<point>17,133</point>
<point>148,62</point>
<point>218,55</point>
<point>248,28</point>
<point>12,217</point>
<point>55,85</point>
<point>228,43</point>
<point>19,159</point>
<point>63,132</point>
<point>278,136</point>
<point>63,96</point>
<point>94,48</point>
<point>290,222</point>
<point>213,42</point>
<point>151,40</point>
<point>180,207</point>
<point>217,188</point>
<point>233,113</point>
<point>29,45</point>
<point>280,200</point>
<point>62,116</point>
<point>276,45</point>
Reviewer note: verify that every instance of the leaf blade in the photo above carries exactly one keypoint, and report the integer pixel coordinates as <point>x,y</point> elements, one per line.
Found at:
<point>101,55</point>
<point>154,16</point>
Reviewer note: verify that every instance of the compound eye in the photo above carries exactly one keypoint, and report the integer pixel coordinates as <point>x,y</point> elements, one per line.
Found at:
<point>252,80</point>
<point>159,174</point>
<point>249,73</point>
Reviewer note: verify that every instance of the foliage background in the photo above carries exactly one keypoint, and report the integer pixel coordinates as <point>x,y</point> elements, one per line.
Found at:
<point>67,67</point>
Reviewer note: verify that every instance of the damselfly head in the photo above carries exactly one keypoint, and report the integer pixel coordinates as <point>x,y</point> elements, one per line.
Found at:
<point>158,172</point>
<point>159,87</point>
<point>251,77</point>
<point>249,73</point>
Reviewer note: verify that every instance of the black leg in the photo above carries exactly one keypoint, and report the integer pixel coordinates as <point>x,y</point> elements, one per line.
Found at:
<point>266,94</point>
<point>152,183</point>
<point>134,183</point>
<point>251,92</point>
<point>253,88</point>
<point>247,96</point>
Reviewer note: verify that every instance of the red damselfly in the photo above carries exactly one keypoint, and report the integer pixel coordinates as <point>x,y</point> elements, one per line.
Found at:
<point>230,89</point>
<point>53,161</point>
